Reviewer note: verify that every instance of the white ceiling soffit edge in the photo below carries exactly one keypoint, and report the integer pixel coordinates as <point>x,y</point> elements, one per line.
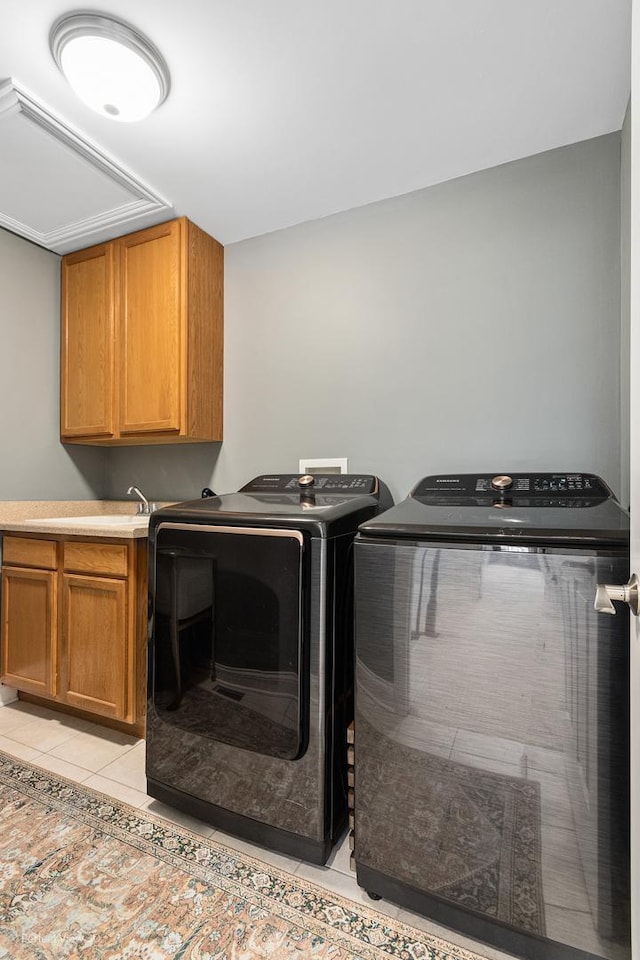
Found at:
<point>58,189</point>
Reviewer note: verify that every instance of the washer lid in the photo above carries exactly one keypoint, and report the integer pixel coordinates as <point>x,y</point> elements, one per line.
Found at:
<point>573,508</point>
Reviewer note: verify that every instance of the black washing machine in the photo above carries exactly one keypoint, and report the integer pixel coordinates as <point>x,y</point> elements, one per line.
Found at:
<point>492,711</point>
<point>251,656</point>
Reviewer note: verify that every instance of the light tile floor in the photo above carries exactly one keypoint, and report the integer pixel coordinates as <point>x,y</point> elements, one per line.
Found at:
<point>113,763</point>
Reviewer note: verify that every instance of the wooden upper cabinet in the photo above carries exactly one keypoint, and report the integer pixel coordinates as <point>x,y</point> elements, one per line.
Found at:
<point>151,295</point>
<point>87,367</point>
<point>156,377</point>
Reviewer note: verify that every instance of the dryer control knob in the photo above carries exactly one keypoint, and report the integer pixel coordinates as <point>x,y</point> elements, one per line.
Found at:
<point>307,480</point>
<point>502,482</point>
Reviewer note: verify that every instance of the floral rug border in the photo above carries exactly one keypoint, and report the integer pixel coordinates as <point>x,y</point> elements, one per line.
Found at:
<point>324,913</point>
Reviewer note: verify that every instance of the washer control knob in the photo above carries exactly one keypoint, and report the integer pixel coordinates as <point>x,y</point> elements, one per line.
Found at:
<point>307,480</point>
<point>502,482</point>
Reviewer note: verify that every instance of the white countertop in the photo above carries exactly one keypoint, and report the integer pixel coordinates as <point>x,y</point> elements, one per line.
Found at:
<point>86,518</point>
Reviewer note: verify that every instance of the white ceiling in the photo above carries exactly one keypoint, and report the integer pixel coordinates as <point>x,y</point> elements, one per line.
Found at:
<point>282,111</point>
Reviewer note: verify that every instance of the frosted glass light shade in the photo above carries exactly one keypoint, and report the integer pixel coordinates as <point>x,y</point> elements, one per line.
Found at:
<point>111,67</point>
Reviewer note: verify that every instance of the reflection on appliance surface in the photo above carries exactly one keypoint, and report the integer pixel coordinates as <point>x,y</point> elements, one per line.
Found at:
<point>596,678</point>
<point>490,736</point>
<point>473,836</point>
<point>184,599</point>
<point>226,660</point>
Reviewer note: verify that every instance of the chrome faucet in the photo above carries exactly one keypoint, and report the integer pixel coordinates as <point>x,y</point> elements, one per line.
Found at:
<point>144,506</point>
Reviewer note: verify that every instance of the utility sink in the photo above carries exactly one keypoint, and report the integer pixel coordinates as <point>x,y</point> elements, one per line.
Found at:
<point>103,520</point>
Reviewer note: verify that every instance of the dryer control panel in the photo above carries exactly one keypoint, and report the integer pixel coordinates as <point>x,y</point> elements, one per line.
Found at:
<point>321,482</point>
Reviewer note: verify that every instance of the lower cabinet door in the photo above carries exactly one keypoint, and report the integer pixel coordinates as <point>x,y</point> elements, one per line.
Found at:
<point>94,645</point>
<point>29,619</point>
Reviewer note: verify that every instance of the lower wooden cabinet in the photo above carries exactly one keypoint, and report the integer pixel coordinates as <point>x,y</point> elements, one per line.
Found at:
<point>75,633</point>
<point>94,663</point>
<point>29,630</point>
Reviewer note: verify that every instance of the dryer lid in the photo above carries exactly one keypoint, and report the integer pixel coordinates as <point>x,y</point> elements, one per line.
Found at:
<point>333,504</point>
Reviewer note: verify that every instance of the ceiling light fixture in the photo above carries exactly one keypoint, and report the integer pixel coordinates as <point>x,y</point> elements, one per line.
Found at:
<point>111,67</point>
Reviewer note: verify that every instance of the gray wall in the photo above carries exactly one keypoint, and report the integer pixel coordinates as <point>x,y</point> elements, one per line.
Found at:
<point>474,325</point>
<point>33,463</point>
<point>471,325</point>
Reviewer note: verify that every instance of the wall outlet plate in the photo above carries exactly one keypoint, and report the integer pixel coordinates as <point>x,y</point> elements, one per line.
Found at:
<point>328,465</point>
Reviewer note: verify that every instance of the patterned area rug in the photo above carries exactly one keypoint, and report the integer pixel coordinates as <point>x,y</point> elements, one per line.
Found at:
<point>84,877</point>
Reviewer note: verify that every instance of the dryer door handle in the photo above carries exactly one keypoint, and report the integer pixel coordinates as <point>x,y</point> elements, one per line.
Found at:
<point>607,594</point>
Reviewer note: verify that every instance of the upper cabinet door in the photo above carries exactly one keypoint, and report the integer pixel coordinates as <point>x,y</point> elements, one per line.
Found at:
<point>151,301</point>
<point>87,343</point>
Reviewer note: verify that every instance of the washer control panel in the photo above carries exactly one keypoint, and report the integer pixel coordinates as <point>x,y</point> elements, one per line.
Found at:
<point>531,489</point>
<point>542,483</point>
<point>324,482</point>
